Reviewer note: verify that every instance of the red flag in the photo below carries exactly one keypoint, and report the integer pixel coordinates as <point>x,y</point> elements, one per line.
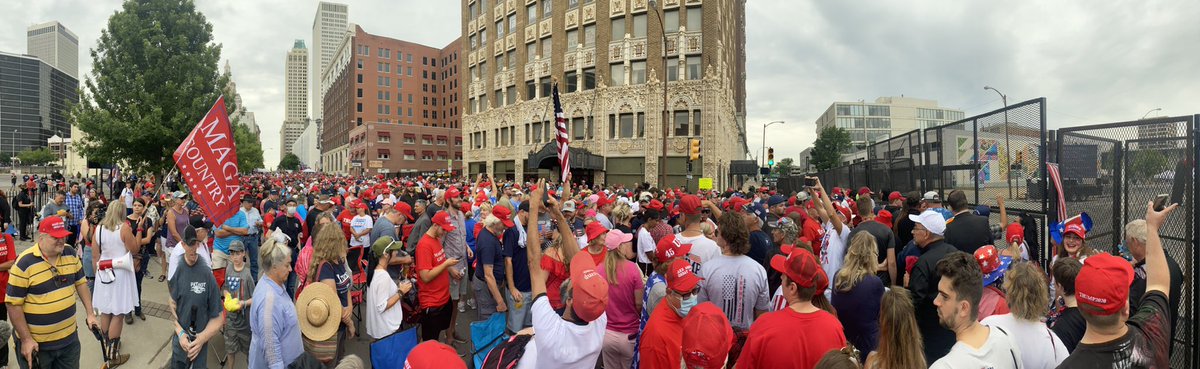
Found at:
<point>564,143</point>
<point>207,161</point>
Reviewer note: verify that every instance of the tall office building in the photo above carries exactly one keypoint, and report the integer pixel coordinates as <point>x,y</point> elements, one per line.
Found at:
<point>608,58</point>
<point>330,27</point>
<point>240,115</point>
<point>34,98</point>
<point>295,97</point>
<point>392,107</point>
<point>56,45</point>
<point>869,123</point>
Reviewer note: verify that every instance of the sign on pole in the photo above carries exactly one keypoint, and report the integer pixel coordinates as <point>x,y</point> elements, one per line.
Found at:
<point>706,184</point>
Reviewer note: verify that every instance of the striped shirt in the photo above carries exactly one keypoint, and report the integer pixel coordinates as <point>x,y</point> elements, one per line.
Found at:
<point>47,295</point>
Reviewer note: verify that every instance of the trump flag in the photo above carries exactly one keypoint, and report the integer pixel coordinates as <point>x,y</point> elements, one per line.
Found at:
<point>207,162</point>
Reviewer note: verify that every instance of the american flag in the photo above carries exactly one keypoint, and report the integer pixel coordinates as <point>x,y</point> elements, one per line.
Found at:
<point>1056,179</point>
<point>564,144</point>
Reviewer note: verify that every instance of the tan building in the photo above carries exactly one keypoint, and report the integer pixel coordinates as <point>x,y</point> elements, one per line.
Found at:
<point>869,123</point>
<point>391,107</point>
<point>607,57</point>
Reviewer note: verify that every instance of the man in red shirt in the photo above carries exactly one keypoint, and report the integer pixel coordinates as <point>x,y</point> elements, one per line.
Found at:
<point>8,256</point>
<point>662,340</point>
<point>798,335</point>
<point>811,232</point>
<point>434,282</point>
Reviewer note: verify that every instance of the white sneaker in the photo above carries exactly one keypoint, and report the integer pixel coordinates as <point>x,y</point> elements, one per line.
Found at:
<point>462,308</point>
<point>471,303</point>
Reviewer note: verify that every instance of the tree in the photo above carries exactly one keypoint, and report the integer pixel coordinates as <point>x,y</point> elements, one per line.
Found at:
<point>827,150</point>
<point>1146,164</point>
<point>154,76</point>
<point>289,161</point>
<point>249,149</point>
<point>783,167</point>
<point>37,157</point>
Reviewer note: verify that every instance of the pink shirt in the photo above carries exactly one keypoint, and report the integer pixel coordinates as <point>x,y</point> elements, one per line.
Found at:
<point>623,314</point>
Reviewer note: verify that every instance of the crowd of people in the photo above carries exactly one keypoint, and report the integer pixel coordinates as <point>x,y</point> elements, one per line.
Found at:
<point>585,276</point>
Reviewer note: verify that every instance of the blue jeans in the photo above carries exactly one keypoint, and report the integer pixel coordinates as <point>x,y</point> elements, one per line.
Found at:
<point>251,242</point>
<point>89,271</point>
<point>63,358</point>
<point>291,281</point>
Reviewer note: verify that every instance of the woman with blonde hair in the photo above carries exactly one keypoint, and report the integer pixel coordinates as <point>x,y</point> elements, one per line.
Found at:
<point>1028,296</point>
<point>857,292</point>
<point>116,288</point>
<point>900,343</point>
<point>329,266</point>
<point>622,216</point>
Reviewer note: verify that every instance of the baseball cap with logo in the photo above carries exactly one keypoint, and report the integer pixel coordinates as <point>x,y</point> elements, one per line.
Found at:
<point>680,277</point>
<point>433,354</point>
<point>707,337</point>
<point>453,193</point>
<point>802,268</point>
<point>443,219</point>
<point>54,227</point>
<point>505,215</point>
<point>669,247</point>
<point>589,290</point>
<point>689,205</point>
<point>1103,283</point>
<point>931,220</point>
<point>895,195</point>
<point>1015,233</point>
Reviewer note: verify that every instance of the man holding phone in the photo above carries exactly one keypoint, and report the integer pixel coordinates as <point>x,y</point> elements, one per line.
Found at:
<point>434,282</point>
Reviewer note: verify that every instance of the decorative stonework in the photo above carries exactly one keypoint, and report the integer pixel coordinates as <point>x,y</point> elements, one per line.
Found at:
<point>498,12</point>
<point>572,19</point>
<point>531,33</point>
<point>638,6</point>
<point>617,7</point>
<point>498,47</point>
<point>589,13</point>
<point>667,4</point>
<point>544,28</point>
<point>510,41</point>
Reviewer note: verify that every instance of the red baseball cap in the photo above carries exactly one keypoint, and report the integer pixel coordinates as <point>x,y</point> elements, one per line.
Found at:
<point>464,207</point>
<point>884,217</point>
<point>1075,226</point>
<point>603,200</point>
<point>895,195</point>
<point>836,191</point>
<point>707,337</point>
<point>594,230</point>
<point>452,193</point>
<point>443,219</point>
<point>1103,283</point>
<point>689,205</point>
<point>1015,233</point>
<point>736,204</point>
<point>589,289</point>
<point>405,209</point>
<point>505,215</point>
<point>864,190</point>
<point>655,205</point>
<point>762,190</point>
<point>433,354</point>
<point>801,267</point>
<point>669,247</point>
<point>680,277</point>
<point>54,226</point>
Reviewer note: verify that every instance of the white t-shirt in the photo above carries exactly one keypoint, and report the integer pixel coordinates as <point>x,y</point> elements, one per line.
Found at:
<point>358,224</point>
<point>833,253</point>
<point>737,285</point>
<point>703,250</point>
<point>1040,347</point>
<point>777,300</point>
<point>645,244</point>
<point>177,257</point>
<point>998,352</point>
<point>127,195</point>
<point>603,219</point>
<point>562,344</point>
<point>382,321</point>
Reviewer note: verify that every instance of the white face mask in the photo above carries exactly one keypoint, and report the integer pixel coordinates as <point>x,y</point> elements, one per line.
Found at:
<point>291,210</point>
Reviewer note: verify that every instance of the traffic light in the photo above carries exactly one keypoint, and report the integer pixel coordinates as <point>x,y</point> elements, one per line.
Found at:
<point>770,156</point>
<point>694,152</point>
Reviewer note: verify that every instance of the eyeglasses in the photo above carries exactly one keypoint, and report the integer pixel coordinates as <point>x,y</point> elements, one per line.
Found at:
<point>689,294</point>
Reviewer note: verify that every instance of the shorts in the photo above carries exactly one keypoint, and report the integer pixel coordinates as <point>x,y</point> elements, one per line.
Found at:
<point>483,298</point>
<point>236,340</point>
<point>518,312</point>
<point>219,259</point>
<point>459,287</point>
<point>434,321</point>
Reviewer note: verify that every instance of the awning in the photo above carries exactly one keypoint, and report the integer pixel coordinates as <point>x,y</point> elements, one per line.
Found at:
<point>547,158</point>
<point>384,134</point>
<point>384,151</point>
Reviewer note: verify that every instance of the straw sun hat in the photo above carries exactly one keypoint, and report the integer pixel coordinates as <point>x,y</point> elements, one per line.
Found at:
<point>319,310</point>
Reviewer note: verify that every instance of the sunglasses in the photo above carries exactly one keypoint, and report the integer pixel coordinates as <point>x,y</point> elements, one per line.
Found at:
<point>59,280</point>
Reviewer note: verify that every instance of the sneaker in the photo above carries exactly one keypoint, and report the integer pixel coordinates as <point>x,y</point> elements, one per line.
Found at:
<point>128,319</point>
<point>471,303</point>
<point>462,306</point>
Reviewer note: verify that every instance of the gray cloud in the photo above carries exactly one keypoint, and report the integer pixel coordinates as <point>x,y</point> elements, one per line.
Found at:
<point>1095,62</point>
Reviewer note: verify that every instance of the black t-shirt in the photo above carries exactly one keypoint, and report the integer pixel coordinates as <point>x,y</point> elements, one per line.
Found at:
<point>291,227</point>
<point>1143,346</point>
<point>884,241</point>
<point>197,298</point>
<point>310,221</point>
<point>1069,328</point>
<point>1138,287</point>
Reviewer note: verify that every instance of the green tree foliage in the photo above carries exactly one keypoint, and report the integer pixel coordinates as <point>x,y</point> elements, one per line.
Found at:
<point>154,76</point>
<point>1145,164</point>
<point>249,148</point>
<point>289,161</point>
<point>36,157</point>
<point>783,166</point>
<point>827,150</point>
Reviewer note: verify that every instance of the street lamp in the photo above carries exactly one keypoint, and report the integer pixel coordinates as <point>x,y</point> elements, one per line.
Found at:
<point>1007,146</point>
<point>1151,111</point>
<point>764,141</point>
<point>662,165</point>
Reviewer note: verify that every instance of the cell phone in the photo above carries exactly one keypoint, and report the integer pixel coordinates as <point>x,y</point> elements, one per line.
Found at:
<point>810,182</point>
<point>1160,202</point>
<point>1183,178</point>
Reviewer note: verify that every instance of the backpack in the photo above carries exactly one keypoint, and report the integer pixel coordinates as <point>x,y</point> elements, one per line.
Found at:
<point>507,354</point>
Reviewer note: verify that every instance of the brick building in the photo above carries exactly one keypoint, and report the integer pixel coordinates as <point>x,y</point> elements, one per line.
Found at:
<point>391,107</point>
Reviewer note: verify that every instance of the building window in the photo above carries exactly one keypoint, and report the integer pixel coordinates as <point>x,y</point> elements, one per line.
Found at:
<point>530,13</point>
<point>536,134</point>
<point>572,4</point>
<point>570,78</point>
<point>879,110</point>
<point>426,140</point>
<point>616,74</point>
<point>626,125</point>
<point>410,155</point>
<point>641,124</point>
<point>512,23</point>
<point>409,139</point>
<point>474,41</point>
<point>498,98</point>
<point>694,18</point>
<point>578,128</point>
<point>530,90</point>
<point>681,123</point>
<point>512,60</point>
<point>589,79</point>
<point>589,35</point>
<point>383,155</point>
<point>696,122</point>
<point>639,26</point>
<point>671,20</point>
<point>511,94</point>
<point>638,74</point>
<point>545,82</point>
<point>693,67</point>
<point>673,69</point>
<point>530,51</point>
<point>618,28</point>
<point>546,8</point>
<point>500,29</point>
<point>427,155</point>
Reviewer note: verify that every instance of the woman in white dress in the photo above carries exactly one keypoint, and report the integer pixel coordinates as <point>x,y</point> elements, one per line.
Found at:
<point>116,288</point>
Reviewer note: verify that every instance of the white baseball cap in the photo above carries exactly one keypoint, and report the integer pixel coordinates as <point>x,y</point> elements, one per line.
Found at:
<point>932,196</point>
<point>931,220</point>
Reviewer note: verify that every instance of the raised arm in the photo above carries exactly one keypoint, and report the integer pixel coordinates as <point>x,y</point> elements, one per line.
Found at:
<point>1158,276</point>
<point>537,275</point>
<point>827,205</point>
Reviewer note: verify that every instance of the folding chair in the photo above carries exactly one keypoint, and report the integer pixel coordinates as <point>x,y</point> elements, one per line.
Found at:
<point>391,351</point>
<point>486,335</point>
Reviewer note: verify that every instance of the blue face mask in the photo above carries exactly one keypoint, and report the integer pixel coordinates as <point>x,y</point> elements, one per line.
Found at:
<point>686,305</point>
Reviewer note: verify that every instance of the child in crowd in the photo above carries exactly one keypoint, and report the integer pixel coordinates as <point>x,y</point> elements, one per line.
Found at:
<point>238,290</point>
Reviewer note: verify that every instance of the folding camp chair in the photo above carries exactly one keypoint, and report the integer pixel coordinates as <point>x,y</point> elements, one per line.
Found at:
<point>486,335</point>
<point>391,351</point>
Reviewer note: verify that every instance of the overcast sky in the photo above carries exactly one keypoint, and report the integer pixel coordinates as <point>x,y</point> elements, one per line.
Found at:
<point>1095,62</point>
